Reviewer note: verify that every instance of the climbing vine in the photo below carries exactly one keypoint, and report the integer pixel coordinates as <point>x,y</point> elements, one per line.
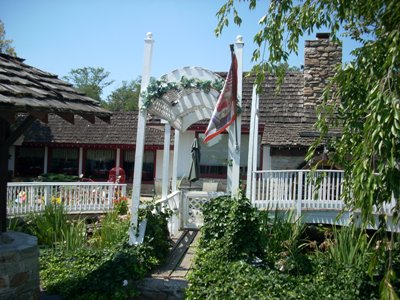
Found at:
<point>158,88</point>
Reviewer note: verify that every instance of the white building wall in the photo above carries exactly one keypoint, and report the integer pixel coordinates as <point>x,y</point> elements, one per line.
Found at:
<point>185,145</point>
<point>185,156</point>
<point>159,163</point>
<point>286,162</point>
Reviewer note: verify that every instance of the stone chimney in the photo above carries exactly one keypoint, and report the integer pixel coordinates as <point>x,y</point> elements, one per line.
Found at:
<point>320,58</point>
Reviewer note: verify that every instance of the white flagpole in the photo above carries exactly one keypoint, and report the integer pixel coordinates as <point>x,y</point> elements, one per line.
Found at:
<point>140,140</point>
<point>234,144</point>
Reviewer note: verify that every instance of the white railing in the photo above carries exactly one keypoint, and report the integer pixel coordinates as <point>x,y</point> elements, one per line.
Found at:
<point>173,203</point>
<point>192,208</point>
<point>313,195</point>
<point>83,197</point>
<point>298,190</point>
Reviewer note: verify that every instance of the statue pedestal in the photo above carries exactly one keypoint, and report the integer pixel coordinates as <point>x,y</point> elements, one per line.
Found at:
<point>19,266</point>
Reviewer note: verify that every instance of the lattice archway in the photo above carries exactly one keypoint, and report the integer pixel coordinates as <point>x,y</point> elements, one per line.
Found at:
<point>188,106</point>
<point>180,109</point>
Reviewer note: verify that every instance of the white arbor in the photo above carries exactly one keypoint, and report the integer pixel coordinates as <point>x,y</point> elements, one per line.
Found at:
<point>181,109</point>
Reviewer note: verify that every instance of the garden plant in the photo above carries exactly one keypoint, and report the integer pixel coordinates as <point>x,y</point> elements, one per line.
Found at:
<point>248,254</point>
<point>76,263</point>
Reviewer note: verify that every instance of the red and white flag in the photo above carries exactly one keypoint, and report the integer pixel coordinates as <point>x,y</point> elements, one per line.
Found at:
<point>225,111</point>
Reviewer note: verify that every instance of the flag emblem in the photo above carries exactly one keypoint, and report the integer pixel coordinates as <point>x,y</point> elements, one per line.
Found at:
<point>225,111</point>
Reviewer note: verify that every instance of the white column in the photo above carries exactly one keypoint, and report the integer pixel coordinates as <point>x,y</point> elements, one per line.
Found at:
<point>165,171</point>
<point>235,137</point>
<point>176,160</point>
<point>253,142</point>
<point>140,140</point>
<point>80,164</point>
<point>118,157</point>
<point>46,160</point>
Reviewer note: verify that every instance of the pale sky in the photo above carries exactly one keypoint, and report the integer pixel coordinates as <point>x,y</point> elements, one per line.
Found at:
<point>59,35</point>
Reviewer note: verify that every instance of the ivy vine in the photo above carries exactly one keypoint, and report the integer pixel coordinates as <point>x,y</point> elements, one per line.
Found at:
<point>158,88</point>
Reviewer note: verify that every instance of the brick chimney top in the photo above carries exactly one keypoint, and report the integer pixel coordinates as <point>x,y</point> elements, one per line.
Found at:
<point>323,35</point>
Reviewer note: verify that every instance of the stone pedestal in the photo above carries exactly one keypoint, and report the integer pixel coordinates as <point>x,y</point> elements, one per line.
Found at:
<point>19,266</point>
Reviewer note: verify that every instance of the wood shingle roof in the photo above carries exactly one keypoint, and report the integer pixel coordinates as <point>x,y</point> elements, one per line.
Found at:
<point>282,117</point>
<point>120,131</point>
<point>24,88</point>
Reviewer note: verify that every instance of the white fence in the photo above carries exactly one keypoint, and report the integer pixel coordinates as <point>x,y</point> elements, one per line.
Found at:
<point>79,197</point>
<point>313,195</point>
<point>186,208</point>
<point>298,189</point>
<point>173,203</point>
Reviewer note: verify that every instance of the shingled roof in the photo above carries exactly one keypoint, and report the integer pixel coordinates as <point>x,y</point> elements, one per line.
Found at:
<point>282,117</point>
<point>24,88</point>
<point>120,131</point>
<point>285,118</point>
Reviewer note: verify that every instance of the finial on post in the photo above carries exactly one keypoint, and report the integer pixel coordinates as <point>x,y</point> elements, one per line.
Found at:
<point>239,39</point>
<point>149,36</point>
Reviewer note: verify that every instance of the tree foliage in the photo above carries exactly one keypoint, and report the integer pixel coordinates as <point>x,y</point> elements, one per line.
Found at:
<point>367,90</point>
<point>368,87</point>
<point>126,97</point>
<point>5,45</point>
<point>90,81</point>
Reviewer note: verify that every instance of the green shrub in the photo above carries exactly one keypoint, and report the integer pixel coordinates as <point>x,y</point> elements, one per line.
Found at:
<point>282,241</point>
<point>218,279</point>
<point>112,231</point>
<point>235,235</point>
<point>157,233</point>
<point>121,205</point>
<point>105,269</point>
<point>58,177</point>
<point>232,224</point>
<point>94,273</point>
<point>54,228</point>
<point>350,247</point>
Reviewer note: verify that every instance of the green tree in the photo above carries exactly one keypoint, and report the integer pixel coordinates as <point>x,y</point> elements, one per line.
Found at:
<point>368,87</point>
<point>368,110</point>
<point>126,97</point>
<point>90,81</point>
<point>5,45</point>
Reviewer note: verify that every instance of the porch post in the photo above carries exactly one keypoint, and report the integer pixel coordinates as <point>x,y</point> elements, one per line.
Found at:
<point>165,171</point>
<point>176,159</point>
<point>4,133</point>
<point>234,137</point>
<point>46,160</point>
<point>299,194</point>
<point>11,161</point>
<point>140,140</point>
<point>80,165</point>
<point>118,158</point>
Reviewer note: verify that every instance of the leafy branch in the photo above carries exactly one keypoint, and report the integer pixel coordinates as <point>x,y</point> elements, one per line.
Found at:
<point>158,88</point>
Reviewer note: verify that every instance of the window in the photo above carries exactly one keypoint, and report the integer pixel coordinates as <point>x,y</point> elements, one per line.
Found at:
<point>64,161</point>
<point>99,163</point>
<point>214,156</point>
<point>148,164</point>
<point>128,163</point>
<point>29,161</point>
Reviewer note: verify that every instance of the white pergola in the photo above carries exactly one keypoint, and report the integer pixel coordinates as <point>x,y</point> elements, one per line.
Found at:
<point>180,110</point>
